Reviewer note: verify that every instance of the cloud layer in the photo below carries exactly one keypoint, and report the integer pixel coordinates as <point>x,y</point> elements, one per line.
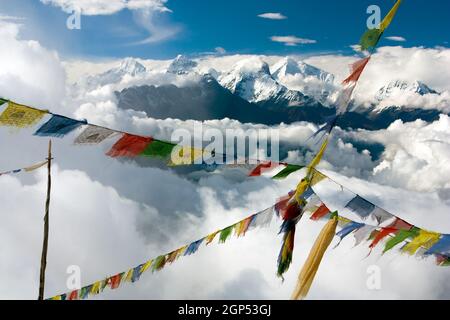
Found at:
<point>107,7</point>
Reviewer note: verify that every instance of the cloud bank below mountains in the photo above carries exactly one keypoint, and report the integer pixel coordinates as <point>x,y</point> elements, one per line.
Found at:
<point>108,215</point>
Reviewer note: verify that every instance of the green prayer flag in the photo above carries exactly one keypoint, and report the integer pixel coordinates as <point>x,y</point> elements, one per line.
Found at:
<point>159,263</point>
<point>158,148</point>
<point>370,39</point>
<point>401,236</point>
<point>2,101</point>
<point>225,234</point>
<point>290,168</point>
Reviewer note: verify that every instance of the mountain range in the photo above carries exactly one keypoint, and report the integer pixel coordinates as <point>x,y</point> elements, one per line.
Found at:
<point>250,90</point>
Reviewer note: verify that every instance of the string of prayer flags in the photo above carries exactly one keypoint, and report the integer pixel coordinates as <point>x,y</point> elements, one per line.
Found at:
<point>257,220</point>
<point>20,116</point>
<point>58,126</point>
<point>129,145</point>
<point>416,241</point>
<point>93,135</point>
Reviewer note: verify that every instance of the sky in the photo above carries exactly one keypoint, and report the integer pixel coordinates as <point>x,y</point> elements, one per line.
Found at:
<point>108,215</point>
<point>202,26</point>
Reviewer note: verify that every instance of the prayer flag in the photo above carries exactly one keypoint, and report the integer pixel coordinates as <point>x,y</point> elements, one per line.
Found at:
<point>129,146</point>
<point>19,116</point>
<point>290,168</point>
<point>93,135</point>
<point>58,126</point>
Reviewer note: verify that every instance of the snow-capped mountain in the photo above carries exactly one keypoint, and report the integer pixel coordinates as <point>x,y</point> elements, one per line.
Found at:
<point>251,80</point>
<point>289,66</point>
<point>404,87</point>
<point>127,67</point>
<point>181,65</point>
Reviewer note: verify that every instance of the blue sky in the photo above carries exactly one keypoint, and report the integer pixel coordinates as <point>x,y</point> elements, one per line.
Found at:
<point>202,25</point>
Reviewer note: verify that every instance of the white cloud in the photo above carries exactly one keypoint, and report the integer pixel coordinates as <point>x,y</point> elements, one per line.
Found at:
<point>158,28</point>
<point>31,67</point>
<point>292,40</point>
<point>396,38</point>
<point>107,7</point>
<point>272,16</point>
<point>149,14</point>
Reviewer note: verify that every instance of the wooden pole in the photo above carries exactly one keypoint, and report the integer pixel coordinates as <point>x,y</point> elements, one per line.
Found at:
<point>46,225</point>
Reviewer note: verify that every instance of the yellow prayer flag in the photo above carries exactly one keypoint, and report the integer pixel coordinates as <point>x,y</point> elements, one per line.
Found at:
<point>424,239</point>
<point>57,298</point>
<point>343,221</point>
<point>209,238</point>
<point>182,155</point>
<point>314,162</point>
<point>96,288</point>
<point>388,19</point>
<point>129,275</point>
<point>20,116</point>
<point>315,256</point>
<point>300,190</point>
<point>146,266</point>
<point>317,177</point>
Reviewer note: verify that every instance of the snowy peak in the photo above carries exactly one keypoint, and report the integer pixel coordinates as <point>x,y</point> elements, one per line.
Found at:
<point>251,80</point>
<point>402,86</point>
<point>289,66</point>
<point>127,67</point>
<point>131,67</point>
<point>181,65</point>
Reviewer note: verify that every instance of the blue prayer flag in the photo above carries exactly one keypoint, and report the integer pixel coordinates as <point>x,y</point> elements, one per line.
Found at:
<point>58,126</point>
<point>440,247</point>
<point>360,206</point>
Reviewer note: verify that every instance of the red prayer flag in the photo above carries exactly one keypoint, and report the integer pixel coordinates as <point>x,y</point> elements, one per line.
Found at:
<point>73,295</point>
<point>380,235</point>
<point>320,212</point>
<point>114,281</point>
<point>400,224</point>
<point>262,167</point>
<point>286,208</point>
<point>129,146</point>
<point>356,68</point>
